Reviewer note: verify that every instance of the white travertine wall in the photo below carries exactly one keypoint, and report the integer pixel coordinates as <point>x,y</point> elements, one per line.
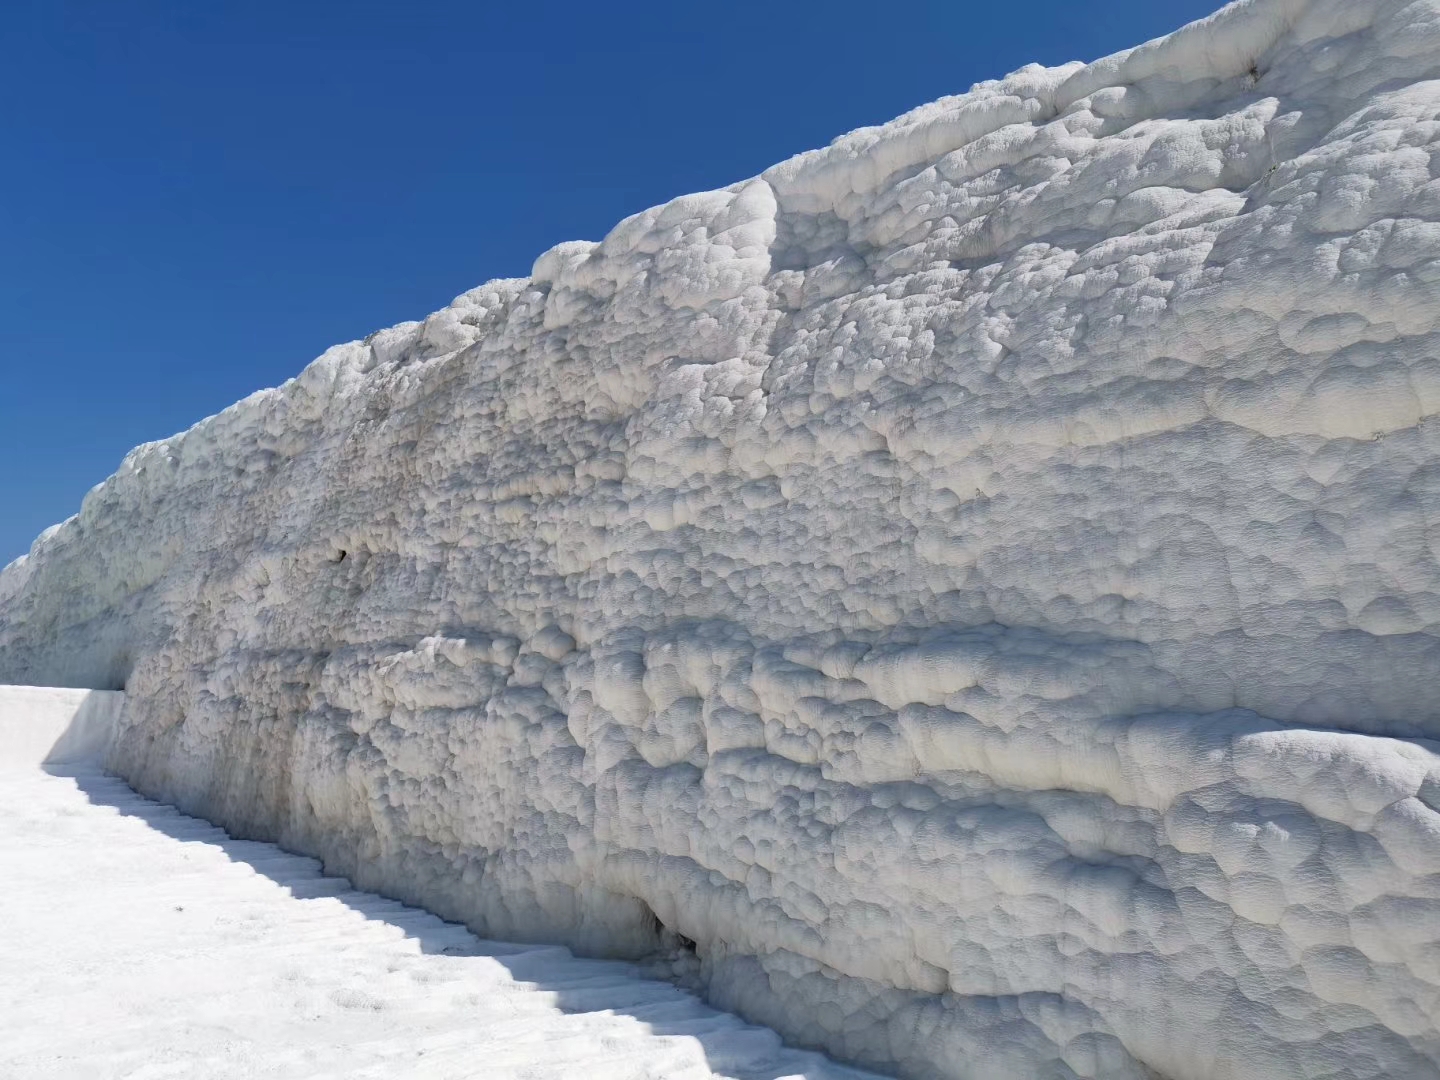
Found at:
<point>46,725</point>
<point>978,581</point>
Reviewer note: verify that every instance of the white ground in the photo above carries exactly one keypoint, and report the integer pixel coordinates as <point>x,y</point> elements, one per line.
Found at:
<point>151,945</point>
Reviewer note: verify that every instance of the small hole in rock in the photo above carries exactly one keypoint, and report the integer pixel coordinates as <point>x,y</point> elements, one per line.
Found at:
<point>340,557</point>
<point>664,935</point>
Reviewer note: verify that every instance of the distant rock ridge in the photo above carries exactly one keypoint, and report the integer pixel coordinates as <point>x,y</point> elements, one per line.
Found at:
<point>978,582</point>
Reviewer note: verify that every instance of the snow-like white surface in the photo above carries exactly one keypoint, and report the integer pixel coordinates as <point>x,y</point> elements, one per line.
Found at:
<point>978,581</point>
<point>46,725</point>
<point>139,943</point>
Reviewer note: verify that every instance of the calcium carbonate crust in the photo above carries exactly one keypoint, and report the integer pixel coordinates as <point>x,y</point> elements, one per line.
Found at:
<point>977,582</point>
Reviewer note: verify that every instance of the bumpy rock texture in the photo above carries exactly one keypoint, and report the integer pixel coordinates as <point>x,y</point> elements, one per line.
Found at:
<point>979,581</point>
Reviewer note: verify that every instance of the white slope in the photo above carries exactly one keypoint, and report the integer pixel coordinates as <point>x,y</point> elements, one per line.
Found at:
<point>47,725</point>
<point>979,581</point>
<point>138,943</point>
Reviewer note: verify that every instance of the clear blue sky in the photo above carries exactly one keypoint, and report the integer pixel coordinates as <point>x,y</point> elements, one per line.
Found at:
<point>199,197</point>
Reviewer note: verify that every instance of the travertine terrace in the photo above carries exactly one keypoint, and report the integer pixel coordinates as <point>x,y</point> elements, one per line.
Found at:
<point>977,581</point>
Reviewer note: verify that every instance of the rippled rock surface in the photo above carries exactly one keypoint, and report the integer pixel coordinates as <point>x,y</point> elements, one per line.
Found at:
<point>977,582</point>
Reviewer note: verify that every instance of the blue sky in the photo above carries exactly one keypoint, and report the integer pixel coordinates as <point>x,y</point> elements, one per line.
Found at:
<point>198,198</point>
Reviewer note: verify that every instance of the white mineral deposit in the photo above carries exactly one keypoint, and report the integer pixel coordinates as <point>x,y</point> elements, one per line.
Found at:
<point>140,943</point>
<point>979,582</point>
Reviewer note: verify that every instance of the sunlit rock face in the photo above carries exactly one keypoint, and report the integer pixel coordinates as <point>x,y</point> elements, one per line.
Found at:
<point>978,581</point>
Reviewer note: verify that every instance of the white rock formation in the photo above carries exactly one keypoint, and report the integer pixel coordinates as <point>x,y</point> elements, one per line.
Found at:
<point>979,581</point>
<point>42,726</point>
<point>138,942</point>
